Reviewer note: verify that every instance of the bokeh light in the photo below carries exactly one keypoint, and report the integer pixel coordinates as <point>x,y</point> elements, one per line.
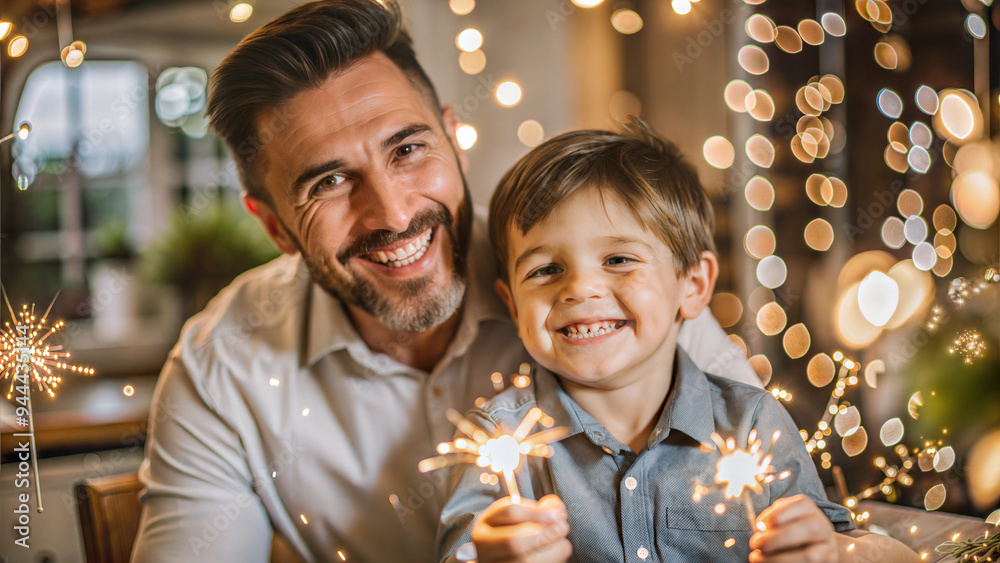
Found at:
<point>726,308</point>
<point>759,242</point>
<point>466,136</point>
<point>463,7</point>
<point>508,93</point>
<point>819,234</point>
<point>856,443</point>
<point>847,421</point>
<point>889,103</point>
<point>771,319</point>
<point>927,100</point>
<point>853,328</point>
<point>878,296</point>
<point>834,24</point>
<point>760,28</point>
<point>472,62</point>
<point>921,135</point>
<point>17,46</point>
<point>736,95</point>
<point>241,12</point>
<point>821,370</point>
<point>718,152</point>
<point>976,26</point>
<point>976,197</point>
<point>811,32</point>
<point>909,203</point>
<point>892,232</point>
<point>762,366</point>
<point>771,272</point>
<point>787,39</point>
<point>759,193</point>
<point>915,229</point>
<point>469,40</point>
<point>626,21</point>
<point>924,256</point>
<point>624,104</point>
<point>753,59</point>
<point>681,6</point>
<point>530,133</point>
<point>944,218</point>
<point>760,151</point>
<point>796,341</point>
<point>919,160</point>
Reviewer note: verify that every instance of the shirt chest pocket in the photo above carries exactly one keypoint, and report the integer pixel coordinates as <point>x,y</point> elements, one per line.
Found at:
<point>697,533</point>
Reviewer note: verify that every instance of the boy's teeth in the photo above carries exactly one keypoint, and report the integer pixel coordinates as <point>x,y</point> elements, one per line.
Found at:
<point>592,330</point>
<point>404,255</point>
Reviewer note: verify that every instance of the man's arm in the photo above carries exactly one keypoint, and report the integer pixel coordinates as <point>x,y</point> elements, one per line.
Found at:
<point>200,504</point>
<point>709,348</point>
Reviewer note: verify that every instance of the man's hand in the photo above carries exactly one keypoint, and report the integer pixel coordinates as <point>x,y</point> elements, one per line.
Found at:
<point>529,532</point>
<point>796,531</point>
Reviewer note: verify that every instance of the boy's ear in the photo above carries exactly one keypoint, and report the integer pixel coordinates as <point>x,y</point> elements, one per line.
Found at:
<point>700,283</point>
<point>451,128</point>
<point>503,290</point>
<point>265,214</point>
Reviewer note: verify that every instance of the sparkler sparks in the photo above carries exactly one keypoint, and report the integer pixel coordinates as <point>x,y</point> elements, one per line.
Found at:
<point>31,333</point>
<point>740,471</point>
<point>501,454</point>
<point>970,345</point>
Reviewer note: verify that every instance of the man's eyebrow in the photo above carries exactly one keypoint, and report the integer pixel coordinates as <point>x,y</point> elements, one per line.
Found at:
<point>313,171</point>
<point>528,254</point>
<point>404,133</point>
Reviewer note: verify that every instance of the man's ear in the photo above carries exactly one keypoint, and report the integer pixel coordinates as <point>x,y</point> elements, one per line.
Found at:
<point>265,214</point>
<point>503,290</point>
<point>699,285</point>
<point>451,128</point>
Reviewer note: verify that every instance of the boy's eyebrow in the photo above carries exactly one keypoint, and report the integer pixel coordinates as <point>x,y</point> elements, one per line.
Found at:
<point>528,254</point>
<point>628,240</point>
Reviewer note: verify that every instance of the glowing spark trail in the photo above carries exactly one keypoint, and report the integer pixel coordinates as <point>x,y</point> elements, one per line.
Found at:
<point>501,454</point>
<point>740,471</point>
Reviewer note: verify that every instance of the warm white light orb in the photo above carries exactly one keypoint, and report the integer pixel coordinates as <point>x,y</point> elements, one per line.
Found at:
<point>503,453</point>
<point>587,3</point>
<point>469,40</point>
<point>508,93</point>
<point>878,296</point>
<point>241,12</point>
<point>466,135</point>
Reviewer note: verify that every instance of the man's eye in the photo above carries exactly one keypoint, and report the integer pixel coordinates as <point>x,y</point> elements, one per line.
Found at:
<point>330,182</point>
<point>406,150</point>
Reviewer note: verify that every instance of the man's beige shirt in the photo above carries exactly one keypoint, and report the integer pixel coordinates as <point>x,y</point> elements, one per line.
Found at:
<point>272,414</point>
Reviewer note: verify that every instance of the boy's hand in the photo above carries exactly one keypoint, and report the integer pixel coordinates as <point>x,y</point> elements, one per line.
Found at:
<point>532,532</point>
<point>796,530</point>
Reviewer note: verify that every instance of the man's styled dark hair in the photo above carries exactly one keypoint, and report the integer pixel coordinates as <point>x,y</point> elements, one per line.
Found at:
<point>647,174</point>
<point>296,52</point>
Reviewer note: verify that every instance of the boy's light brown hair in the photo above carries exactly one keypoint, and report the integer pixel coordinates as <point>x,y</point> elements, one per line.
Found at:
<point>647,174</point>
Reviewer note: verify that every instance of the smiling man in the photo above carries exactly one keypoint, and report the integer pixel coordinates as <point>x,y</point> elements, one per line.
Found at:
<point>300,402</point>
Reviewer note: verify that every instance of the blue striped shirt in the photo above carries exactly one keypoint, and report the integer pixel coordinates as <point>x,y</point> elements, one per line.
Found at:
<point>638,506</point>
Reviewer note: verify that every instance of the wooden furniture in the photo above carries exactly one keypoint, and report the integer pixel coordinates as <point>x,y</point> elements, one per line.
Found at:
<point>109,519</point>
<point>109,516</point>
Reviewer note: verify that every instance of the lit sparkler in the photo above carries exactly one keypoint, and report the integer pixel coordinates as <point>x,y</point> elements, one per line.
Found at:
<point>30,334</point>
<point>501,454</point>
<point>741,471</point>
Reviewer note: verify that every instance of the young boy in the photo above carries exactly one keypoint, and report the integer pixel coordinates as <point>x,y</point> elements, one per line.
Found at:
<point>604,244</point>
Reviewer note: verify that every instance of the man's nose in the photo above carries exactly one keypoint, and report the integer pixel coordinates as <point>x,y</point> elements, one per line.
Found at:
<point>387,204</point>
<point>580,286</point>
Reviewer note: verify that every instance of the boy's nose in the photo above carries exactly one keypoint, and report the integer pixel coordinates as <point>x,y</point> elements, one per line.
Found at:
<point>581,286</point>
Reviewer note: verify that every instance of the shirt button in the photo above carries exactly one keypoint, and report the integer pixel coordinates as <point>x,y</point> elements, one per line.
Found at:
<point>436,391</point>
<point>630,484</point>
<point>643,553</point>
<point>607,450</point>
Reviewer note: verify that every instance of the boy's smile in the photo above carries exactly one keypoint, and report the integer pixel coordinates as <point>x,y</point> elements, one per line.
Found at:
<point>596,298</point>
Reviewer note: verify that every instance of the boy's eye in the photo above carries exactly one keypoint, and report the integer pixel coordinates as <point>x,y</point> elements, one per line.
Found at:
<point>543,271</point>
<point>619,260</point>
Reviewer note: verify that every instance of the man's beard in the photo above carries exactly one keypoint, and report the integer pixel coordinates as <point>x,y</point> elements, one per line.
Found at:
<point>419,305</point>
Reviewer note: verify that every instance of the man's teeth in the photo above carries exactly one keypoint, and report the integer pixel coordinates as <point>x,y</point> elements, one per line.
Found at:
<point>593,329</point>
<point>404,255</point>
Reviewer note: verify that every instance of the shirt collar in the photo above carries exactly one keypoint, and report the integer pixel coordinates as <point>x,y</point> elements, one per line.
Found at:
<point>329,328</point>
<point>688,408</point>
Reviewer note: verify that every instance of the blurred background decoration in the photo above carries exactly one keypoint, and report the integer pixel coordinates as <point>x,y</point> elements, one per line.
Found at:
<point>850,148</point>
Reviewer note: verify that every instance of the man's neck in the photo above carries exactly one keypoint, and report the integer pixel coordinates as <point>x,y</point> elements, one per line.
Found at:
<point>421,350</point>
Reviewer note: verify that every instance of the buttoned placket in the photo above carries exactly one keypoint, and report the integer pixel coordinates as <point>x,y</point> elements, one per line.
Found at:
<point>633,511</point>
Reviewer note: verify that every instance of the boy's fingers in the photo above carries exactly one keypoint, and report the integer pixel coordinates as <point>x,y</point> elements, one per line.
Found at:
<point>786,509</point>
<point>555,552</point>
<point>524,540</point>
<point>793,535</point>
<point>505,513</point>
<point>816,553</point>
